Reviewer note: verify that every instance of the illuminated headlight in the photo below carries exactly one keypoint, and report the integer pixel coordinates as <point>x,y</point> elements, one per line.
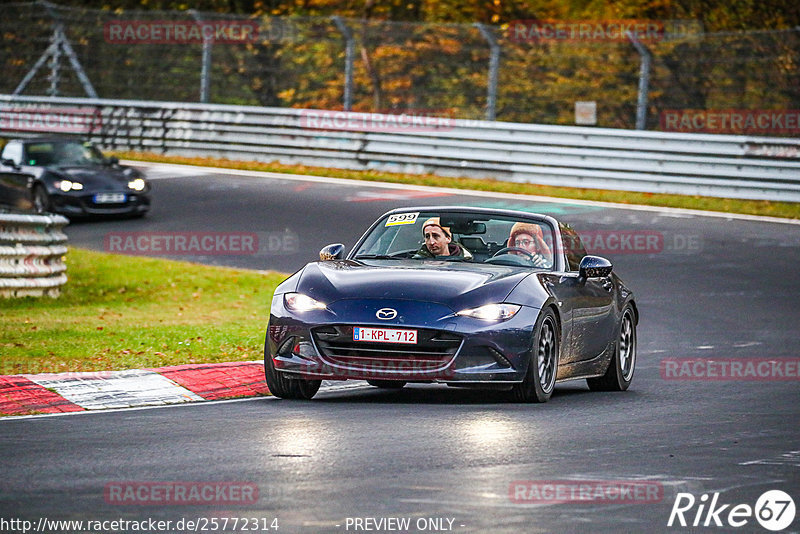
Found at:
<point>492,312</point>
<point>298,302</point>
<point>66,185</point>
<point>137,184</point>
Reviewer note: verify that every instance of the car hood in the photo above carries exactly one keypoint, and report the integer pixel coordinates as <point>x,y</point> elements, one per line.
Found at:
<point>454,284</point>
<point>91,176</point>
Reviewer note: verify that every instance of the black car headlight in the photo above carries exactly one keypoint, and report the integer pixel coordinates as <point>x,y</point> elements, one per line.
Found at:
<point>68,185</point>
<point>298,302</point>
<point>492,312</point>
<point>137,184</point>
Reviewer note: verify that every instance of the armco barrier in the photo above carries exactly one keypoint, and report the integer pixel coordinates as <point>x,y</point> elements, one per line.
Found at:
<point>735,166</point>
<point>32,249</point>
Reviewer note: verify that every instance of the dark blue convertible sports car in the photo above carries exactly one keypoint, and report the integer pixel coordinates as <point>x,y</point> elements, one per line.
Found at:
<point>462,296</point>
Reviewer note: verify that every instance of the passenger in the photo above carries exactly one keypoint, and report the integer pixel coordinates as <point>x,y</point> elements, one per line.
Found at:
<point>528,236</point>
<point>439,242</point>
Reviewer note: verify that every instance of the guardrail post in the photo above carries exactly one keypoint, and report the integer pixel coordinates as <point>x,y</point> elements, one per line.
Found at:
<point>644,82</point>
<point>494,66</point>
<point>349,55</point>
<point>205,68</point>
<point>32,249</point>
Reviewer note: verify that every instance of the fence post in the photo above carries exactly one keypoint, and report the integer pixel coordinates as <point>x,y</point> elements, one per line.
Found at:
<point>494,66</point>
<point>58,44</point>
<point>644,82</point>
<point>205,69</point>
<point>55,63</point>
<point>349,54</point>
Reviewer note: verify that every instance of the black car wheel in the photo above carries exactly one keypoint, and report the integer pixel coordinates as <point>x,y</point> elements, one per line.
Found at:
<point>387,384</point>
<point>41,200</point>
<point>288,388</point>
<point>540,380</point>
<point>619,374</point>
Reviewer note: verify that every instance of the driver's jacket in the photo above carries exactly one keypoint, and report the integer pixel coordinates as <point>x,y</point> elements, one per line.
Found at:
<point>456,250</point>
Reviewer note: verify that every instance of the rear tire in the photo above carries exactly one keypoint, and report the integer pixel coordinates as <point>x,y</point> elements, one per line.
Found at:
<point>387,384</point>
<point>619,374</point>
<point>288,388</point>
<point>540,379</point>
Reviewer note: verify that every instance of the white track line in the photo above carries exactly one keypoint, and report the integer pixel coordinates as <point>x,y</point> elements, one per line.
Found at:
<point>332,388</point>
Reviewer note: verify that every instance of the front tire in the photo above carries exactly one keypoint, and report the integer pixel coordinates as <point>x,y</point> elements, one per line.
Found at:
<point>41,200</point>
<point>619,374</point>
<point>287,388</point>
<point>540,379</point>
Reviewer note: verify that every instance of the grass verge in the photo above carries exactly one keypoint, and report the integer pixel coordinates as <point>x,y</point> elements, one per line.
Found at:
<point>790,210</point>
<point>124,312</point>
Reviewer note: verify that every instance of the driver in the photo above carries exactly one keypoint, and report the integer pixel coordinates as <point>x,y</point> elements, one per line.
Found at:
<point>439,242</point>
<point>528,236</point>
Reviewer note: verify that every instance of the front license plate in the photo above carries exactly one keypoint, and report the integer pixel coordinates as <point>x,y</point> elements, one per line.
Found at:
<point>109,198</point>
<point>384,335</point>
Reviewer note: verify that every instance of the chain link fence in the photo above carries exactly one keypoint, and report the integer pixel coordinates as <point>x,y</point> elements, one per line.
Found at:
<point>462,71</point>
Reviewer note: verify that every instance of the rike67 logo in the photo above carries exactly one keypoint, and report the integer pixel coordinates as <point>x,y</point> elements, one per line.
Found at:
<point>774,510</point>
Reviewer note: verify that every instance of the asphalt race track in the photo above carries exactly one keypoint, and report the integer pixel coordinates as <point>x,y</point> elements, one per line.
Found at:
<point>359,459</point>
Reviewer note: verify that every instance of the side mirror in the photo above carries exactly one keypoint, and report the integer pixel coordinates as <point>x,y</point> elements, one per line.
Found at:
<point>332,252</point>
<point>113,160</point>
<point>10,163</point>
<point>594,267</point>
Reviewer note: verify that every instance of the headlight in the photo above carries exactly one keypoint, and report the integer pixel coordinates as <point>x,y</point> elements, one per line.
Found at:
<point>301,303</point>
<point>137,184</point>
<point>66,185</point>
<point>491,312</point>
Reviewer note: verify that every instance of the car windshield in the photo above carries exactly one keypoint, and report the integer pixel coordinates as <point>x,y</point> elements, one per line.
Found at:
<point>62,153</point>
<point>459,236</point>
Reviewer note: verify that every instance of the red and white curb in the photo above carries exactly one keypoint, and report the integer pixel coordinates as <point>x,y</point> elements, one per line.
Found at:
<point>73,392</point>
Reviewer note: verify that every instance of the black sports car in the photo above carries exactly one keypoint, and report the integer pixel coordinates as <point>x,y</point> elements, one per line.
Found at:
<point>73,178</point>
<point>462,296</point>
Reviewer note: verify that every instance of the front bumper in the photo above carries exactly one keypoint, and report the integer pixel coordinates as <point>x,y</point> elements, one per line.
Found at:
<point>84,204</point>
<point>450,349</point>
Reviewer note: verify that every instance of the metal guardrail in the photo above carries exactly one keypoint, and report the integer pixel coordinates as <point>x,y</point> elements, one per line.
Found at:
<point>734,166</point>
<point>32,249</point>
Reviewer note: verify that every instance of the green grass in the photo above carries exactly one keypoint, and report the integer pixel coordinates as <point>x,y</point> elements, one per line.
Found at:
<point>124,312</point>
<point>789,210</point>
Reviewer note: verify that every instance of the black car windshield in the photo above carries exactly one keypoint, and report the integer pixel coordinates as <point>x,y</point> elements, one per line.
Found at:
<point>469,237</point>
<point>62,153</point>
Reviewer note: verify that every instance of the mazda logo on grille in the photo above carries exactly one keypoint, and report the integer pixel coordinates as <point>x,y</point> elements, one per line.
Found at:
<point>386,314</point>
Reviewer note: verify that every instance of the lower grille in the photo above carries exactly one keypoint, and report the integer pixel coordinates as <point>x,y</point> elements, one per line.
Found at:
<point>434,350</point>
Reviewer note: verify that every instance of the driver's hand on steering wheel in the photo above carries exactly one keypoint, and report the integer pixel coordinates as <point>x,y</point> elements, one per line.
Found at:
<point>535,258</point>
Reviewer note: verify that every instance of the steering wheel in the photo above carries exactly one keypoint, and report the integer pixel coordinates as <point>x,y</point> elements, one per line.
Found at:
<point>531,256</point>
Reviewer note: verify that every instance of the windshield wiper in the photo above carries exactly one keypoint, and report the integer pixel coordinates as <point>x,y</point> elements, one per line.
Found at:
<point>376,257</point>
